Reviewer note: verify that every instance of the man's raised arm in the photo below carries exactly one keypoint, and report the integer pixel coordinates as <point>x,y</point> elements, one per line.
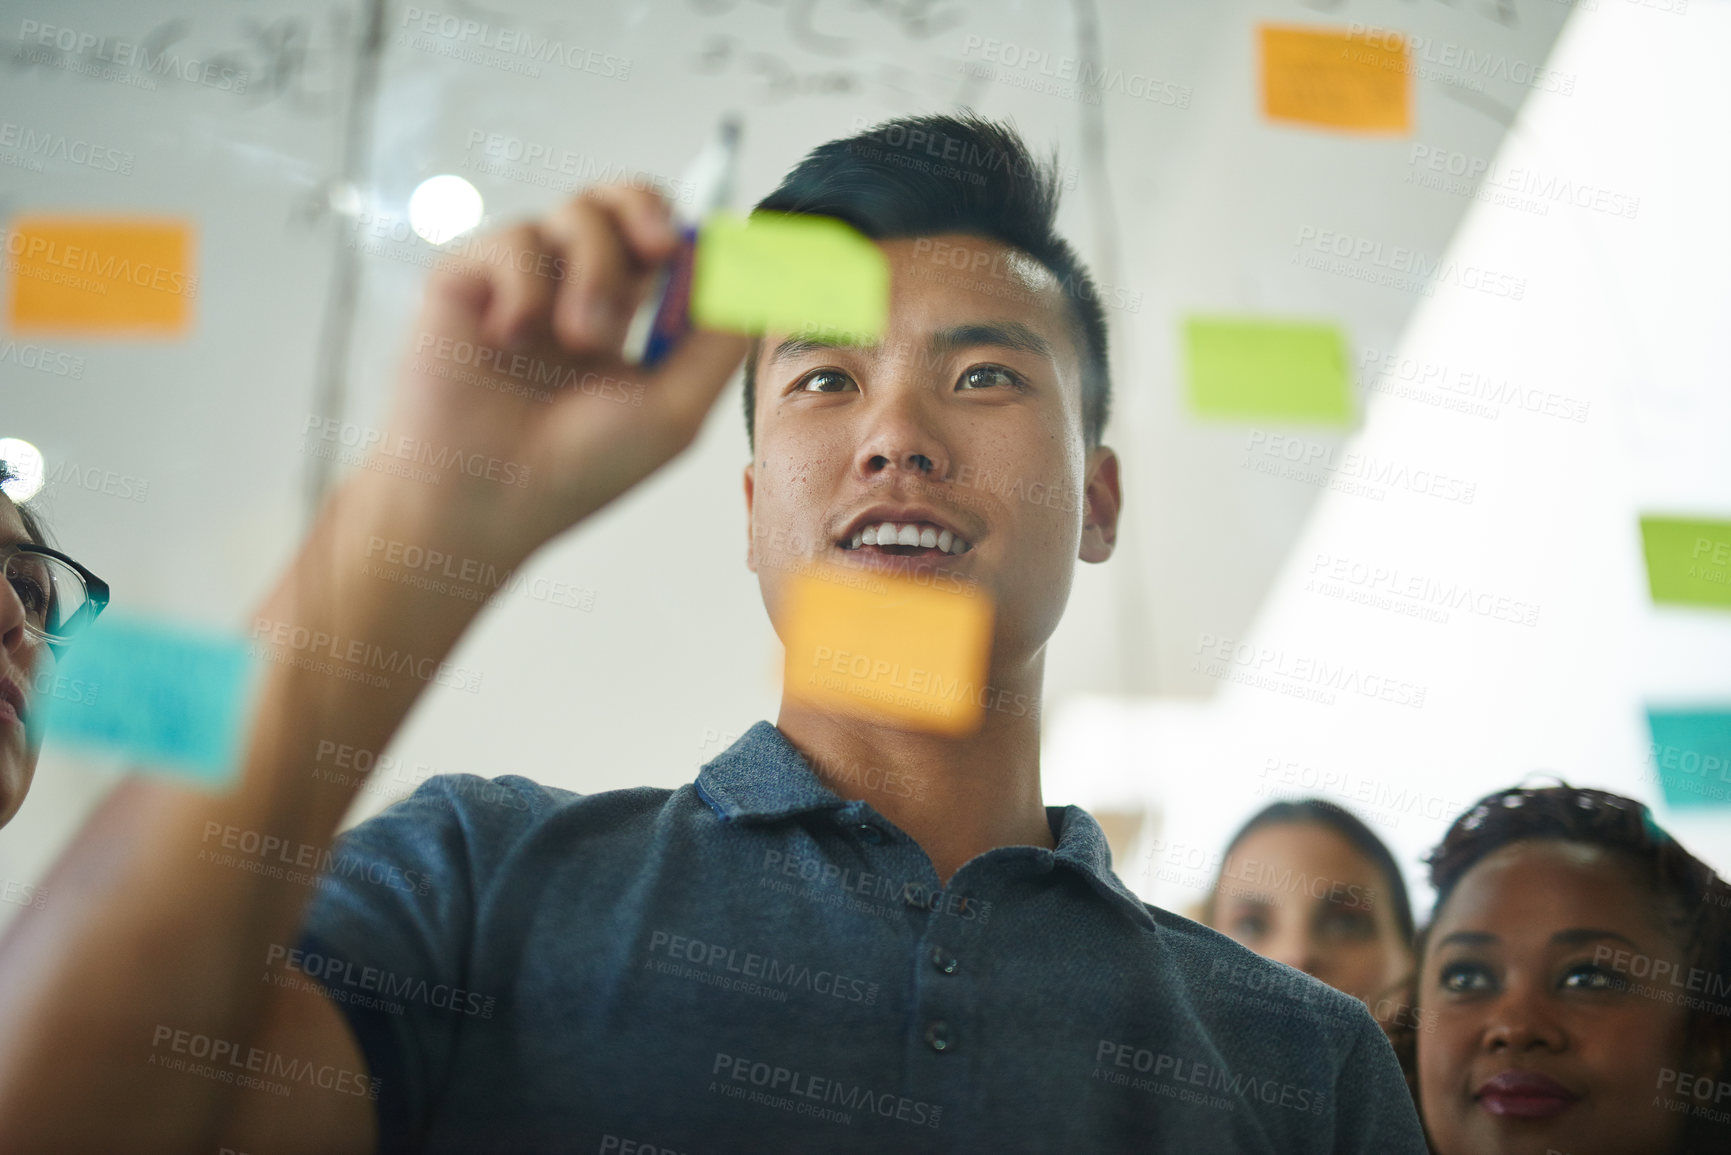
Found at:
<point>149,952</point>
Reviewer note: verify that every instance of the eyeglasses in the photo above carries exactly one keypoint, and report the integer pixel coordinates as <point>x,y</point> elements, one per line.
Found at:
<point>59,596</point>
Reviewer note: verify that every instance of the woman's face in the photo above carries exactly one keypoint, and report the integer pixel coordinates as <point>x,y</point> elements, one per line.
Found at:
<point>1300,894</point>
<point>23,660</point>
<point>1535,1039</point>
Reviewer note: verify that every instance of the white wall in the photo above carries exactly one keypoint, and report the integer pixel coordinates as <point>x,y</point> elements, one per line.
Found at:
<point>1623,313</point>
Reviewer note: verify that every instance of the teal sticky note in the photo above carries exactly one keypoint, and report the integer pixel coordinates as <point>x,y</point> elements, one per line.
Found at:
<point>1688,560</point>
<point>165,696</point>
<point>1692,754</point>
<point>1255,369</point>
<point>785,273</point>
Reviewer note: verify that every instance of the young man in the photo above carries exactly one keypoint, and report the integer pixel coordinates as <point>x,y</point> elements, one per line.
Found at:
<point>843,936</point>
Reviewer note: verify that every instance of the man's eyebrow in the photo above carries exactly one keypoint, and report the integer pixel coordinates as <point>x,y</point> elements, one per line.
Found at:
<point>1002,334</point>
<point>799,346</point>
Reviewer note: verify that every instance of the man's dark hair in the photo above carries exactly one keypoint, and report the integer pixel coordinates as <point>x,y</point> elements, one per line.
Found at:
<point>32,525</point>
<point>919,176</point>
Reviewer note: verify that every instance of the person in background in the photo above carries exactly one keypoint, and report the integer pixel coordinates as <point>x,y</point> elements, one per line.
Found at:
<point>46,598</point>
<point>1573,984</point>
<point>1306,883</point>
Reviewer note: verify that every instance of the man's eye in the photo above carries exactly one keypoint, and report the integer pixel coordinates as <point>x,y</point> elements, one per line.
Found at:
<point>825,381</point>
<point>986,376</point>
<point>1464,978</point>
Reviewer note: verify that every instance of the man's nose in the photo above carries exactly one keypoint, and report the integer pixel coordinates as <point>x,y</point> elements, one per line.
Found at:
<point>902,435</point>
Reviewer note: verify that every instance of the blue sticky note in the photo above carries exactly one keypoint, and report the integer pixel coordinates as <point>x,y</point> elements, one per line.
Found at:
<point>1692,753</point>
<point>170,697</point>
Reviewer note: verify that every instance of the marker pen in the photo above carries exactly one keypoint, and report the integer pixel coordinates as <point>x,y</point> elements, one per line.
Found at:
<point>664,317</point>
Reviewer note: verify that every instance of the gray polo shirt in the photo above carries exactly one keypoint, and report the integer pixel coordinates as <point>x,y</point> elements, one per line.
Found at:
<point>751,963</point>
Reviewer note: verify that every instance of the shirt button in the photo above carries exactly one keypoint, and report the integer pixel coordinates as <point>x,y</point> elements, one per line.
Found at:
<point>939,1036</point>
<point>945,962</point>
<point>869,833</point>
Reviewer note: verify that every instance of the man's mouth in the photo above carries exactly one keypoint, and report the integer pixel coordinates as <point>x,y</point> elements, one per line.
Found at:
<point>907,539</point>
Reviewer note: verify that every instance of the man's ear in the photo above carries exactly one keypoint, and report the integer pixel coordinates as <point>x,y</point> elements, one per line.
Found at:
<point>750,492</point>
<point>1102,499</point>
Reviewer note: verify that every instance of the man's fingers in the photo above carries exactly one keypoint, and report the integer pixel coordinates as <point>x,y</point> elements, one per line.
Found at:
<point>592,308</point>
<point>613,239</point>
<point>645,219</point>
<point>524,283</point>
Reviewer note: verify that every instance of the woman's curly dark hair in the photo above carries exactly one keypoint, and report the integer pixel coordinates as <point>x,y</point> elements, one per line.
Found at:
<point>1695,901</point>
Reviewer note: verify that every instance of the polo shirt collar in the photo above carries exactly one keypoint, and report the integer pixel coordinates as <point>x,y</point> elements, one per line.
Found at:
<point>762,778</point>
<point>1082,846</point>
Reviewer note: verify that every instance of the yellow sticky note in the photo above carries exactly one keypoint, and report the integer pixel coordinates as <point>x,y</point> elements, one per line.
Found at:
<point>1336,78</point>
<point>789,274</point>
<point>100,276</point>
<point>893,649</point>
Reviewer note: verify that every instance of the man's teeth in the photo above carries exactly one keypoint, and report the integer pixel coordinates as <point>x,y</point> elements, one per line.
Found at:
<point>910,533</point>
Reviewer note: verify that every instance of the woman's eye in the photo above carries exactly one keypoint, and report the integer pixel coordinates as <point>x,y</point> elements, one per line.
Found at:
<point>986,376</point>
<point>1348,924</point>
<point>1247,927</point>
<point>825,381</point>
<point>1464,978</point>
<point>31,593</point>
<point>1588,977</point>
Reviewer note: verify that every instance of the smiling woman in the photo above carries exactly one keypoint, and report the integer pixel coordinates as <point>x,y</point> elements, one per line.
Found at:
<point>1574,985</point>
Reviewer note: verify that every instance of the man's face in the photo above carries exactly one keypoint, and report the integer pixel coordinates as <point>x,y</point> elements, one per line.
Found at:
<point>967,418</point>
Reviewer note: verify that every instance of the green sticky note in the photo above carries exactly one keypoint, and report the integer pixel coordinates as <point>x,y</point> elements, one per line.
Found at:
<point>783,273</point>
<point>170,698</point>
<point>1692,753</point>
<point>1688,560</point>
<point>1250,369</point>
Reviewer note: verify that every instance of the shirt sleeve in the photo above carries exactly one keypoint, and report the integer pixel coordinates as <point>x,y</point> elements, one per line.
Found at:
<point>1374,1111</point>
<point>390,931</point>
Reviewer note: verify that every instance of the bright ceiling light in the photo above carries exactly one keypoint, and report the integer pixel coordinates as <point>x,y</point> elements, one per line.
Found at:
<point>443,207</point>
<point>24,465</point>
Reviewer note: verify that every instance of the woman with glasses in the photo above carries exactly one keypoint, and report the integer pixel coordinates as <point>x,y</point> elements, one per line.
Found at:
<point>46,599</point>
<point>1574,985</point>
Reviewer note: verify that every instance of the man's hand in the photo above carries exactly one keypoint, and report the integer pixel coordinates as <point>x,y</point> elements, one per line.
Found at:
<point>515,364</point>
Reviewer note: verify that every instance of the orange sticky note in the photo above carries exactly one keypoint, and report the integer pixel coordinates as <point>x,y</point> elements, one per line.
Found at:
<point>902,651</point>
<point>100,276</point>
<point>1335,78</point>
